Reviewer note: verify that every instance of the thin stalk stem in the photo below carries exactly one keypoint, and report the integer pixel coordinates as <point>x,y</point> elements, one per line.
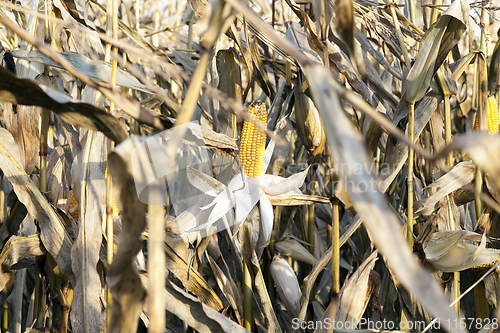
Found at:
<point>156,268</point>
<point>411,129</point>
<point>110,241</point>
<point>447,128</point>
<point>2,198</point>
<point>326,57</point>
<point>479,174</point>
<point>247,298</point>
<point>335,249</point>
<point>311,227</point>
<point>288,74</point>
<point>311,223</point>
<point>5,318</point>
<point>434,11</point>
<point>44,149</point>
<point>111,30</point>
<point>428,168</point>
<point>477,195</point>
<point>455,292</point>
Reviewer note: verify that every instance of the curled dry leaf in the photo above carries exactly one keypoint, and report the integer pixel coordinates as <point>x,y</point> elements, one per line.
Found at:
<point>28,92</point>
<point>355,293</point>
<point>461,175</point>
<point>452,251</point>
<point>483,148</point>
<point>212,139</point>
<point>96,69</point>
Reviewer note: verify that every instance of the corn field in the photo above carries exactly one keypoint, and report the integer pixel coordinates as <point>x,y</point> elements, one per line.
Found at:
<point>249,166</point>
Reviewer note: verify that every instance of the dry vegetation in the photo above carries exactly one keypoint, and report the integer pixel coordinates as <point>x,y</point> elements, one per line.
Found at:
<point>123,202</point>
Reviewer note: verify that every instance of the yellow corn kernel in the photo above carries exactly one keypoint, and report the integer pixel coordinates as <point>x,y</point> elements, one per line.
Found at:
<point>253,141</point>
<point>115,208</point>
<point>74,203</point>
<point>492,115</point>
<point>74,213</point>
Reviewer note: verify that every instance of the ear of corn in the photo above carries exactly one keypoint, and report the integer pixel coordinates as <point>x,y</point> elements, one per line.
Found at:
<point>253,141</point>
<point>286,284</point>
<point>115,209</point>
<point>493,116</point>
<point>74,203</point>
<point>73,212</point>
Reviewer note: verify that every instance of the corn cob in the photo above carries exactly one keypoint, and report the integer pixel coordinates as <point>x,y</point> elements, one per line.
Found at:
<point>253,141</point>
<point>493,117</point>
<point>74,202</point>
<point>115,209</point>
<point>74,214</point>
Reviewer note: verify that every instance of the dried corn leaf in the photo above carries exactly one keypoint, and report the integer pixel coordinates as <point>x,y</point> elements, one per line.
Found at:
<point>96,69</point>
<point>212,139</point>
<point>483,148</point>
<point>296,199</point>
<point>22,122</point>
<point>27,92</point>
<point>344,21</point>
<point>292,248</point>
<point>355,293</point>
<point>461,175</point>
<point>57,183</point>
<point>15,249</point>
<point>70,15</point>
<point>177,254</point>
<point>229,288</point>
<point>397,155</point>
<point>494,69</point>
<point>348,149</point>
<point>194,313</point>
<point>438,40</point>
<point>123,279</point>
<point>86,309</point>
<point>452,251</point>
<point>52,232</point>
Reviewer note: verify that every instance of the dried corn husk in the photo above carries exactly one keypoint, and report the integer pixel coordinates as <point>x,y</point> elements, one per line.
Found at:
<point>453,251</point>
